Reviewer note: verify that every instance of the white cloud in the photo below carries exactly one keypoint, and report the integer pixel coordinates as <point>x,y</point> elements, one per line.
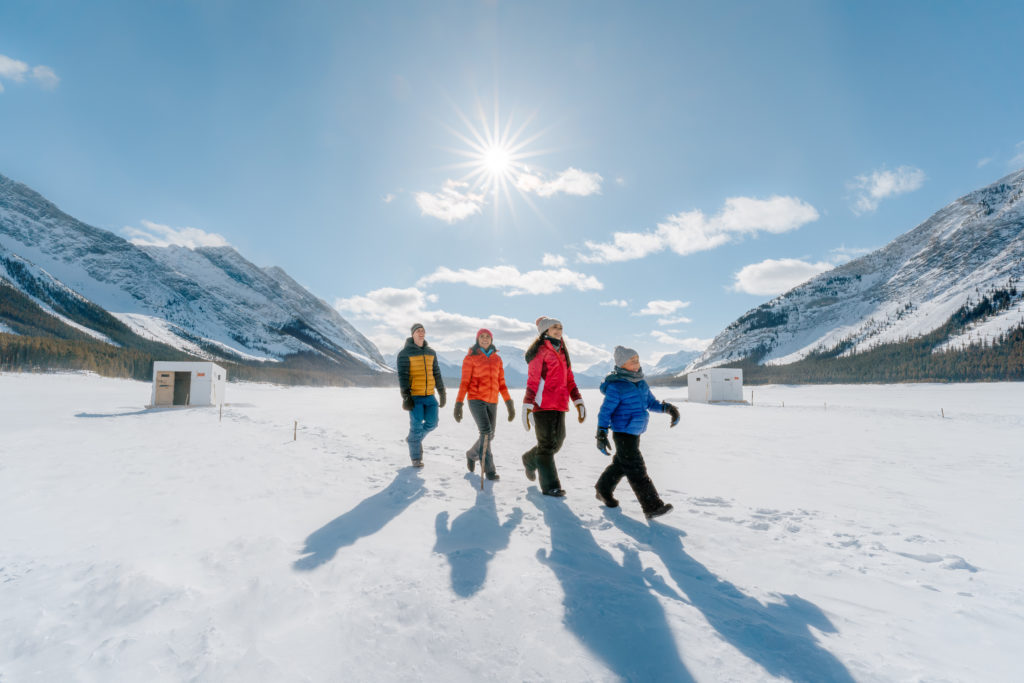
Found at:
<point>390,312</point>
<point>156,235</point>
<point>17,71</point>
<point>45,76</point>
<point>390,197</point>
<point>984,162</point>
<point>620,303</point>
<point>509,278</point>
<point>570,181</point>
<point>843,253</point>
<point>691,231</point>
<point>871,189</point>
<point>774,276</point>
<point>1018,160</point>
<point>553,261</point>
<point>679,343</point>
<point>662,307</point>
<point>454,202</point>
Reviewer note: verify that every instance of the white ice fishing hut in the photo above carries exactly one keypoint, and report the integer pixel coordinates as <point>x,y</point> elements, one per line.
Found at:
<point>185,383</point>
<point>715,385</point>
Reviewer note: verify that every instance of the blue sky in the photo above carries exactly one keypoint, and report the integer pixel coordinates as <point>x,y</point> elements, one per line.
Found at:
<point>657,169</point>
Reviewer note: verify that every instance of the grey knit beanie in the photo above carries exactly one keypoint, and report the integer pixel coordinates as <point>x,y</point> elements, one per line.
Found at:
<point>544,322</point>
<point>623,354</point>
<point>416,326</point>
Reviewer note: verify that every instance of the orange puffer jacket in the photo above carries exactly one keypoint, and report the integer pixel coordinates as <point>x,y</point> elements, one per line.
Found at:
<point>483,376</point>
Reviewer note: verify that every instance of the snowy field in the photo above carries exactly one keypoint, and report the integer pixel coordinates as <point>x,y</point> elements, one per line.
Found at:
<point>853,534</point>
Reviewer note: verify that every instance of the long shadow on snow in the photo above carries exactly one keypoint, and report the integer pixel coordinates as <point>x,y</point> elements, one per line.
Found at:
<point>776,636</point>
<point>608,606</point>
<point>475,537</point>
<point>365,519</point>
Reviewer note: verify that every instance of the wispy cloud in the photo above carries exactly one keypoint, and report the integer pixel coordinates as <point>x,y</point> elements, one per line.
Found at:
<point>1018,160</point>
<point>870,189</point>
<point>665,310</point>
<point>984,162</point>
<point>389,312</point>
<point>553,261</point>
<point>842,254</point>
<point>389,197</point>
<point>774,276</point>
<point>691,231</point>
<point>157,235</point>
<point>619,303</point>
<point>681,343</point>
<point>509,278</point>
<point>453,203</point>
<point>18,71</point>
<point>570,181</point>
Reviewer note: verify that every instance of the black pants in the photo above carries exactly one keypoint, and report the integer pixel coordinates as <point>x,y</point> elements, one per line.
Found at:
<point>485,415</point>
<point>628,462</point>
<point>549,426</point>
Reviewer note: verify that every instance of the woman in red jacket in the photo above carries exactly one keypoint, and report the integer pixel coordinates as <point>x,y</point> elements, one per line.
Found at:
<point>483,377</point>
<point>549,387</point>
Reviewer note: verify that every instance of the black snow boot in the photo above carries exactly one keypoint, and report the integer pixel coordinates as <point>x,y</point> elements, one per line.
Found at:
<point>531,469</point>
<point>658,511</point>
<point>493,476</point>
<point>607,498</point>
<point>555,493</point>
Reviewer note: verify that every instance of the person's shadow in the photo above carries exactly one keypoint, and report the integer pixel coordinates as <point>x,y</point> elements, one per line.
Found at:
<point>776,636</point>
<point>609,606</point>
<point>365,519</point>
<point>475,537</point>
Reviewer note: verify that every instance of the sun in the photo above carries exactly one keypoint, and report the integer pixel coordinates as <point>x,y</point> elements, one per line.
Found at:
<point>495,153</point>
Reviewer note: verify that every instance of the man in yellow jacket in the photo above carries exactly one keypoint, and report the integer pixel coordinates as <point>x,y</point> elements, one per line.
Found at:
<point>418,376</point>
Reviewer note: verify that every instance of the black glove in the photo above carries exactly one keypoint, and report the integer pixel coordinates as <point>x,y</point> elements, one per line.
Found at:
<point>671,410</point>
<point>603,444</point>
<point>443,400</point>
<point>458,411</point>
<point>511,409</point>
<point>407,403</point>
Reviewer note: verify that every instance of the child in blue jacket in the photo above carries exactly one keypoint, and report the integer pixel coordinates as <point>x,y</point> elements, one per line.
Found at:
<point>627,400</point>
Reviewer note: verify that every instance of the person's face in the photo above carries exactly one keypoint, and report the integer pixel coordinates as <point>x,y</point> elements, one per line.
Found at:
<point>419,335</point>
<point>555,331</point>
<point>633,364</point>
<point>484,340</point>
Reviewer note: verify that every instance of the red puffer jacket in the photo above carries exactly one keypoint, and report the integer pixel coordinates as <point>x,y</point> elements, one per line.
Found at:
<point>550,384</point>
<point>483,376</point>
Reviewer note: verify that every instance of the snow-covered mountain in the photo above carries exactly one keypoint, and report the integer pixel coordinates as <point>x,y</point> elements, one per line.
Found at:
<point>673,363</point>
<point>209,301</point>
<point>912,286</point>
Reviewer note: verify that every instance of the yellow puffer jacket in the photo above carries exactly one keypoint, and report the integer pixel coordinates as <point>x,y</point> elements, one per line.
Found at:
<point>418,371</point>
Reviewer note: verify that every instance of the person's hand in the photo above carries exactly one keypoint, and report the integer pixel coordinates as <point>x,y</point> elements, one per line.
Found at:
<point>511,409</point>
<point>581,410</point>
<point>407,403</point>
<point>443,400</point>
<point>671,410</point>
<point>603,444</point>
<point>458,411</point>
<point>527,416</point>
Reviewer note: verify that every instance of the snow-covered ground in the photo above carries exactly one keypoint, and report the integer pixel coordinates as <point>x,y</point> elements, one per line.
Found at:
<point>853,534</point>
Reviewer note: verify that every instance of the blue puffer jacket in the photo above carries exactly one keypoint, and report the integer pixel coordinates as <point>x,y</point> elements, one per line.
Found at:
<point>625,405</point>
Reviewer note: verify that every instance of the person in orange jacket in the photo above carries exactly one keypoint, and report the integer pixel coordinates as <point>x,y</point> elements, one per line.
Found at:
<point>483,378</point>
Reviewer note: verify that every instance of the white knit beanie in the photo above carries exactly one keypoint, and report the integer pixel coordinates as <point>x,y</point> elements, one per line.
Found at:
<point>544,322</point>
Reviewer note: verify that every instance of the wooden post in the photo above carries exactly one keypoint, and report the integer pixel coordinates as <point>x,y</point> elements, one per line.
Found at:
<point>221,418</point>
<point>751,397</point>
<point>295,433</point>
<point>943,413</point>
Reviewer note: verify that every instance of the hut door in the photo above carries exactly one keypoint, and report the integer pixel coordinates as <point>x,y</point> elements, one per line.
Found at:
<point>182,388</point>
<point>164,388</point>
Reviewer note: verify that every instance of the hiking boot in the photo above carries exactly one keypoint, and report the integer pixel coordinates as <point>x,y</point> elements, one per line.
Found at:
<point>470,464</point>
<point>659,511</point>
<point>607,499</point>
<point>531,472</point>
<point>493,476</point>
<point>418,462</point>
<point>555,493</point>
